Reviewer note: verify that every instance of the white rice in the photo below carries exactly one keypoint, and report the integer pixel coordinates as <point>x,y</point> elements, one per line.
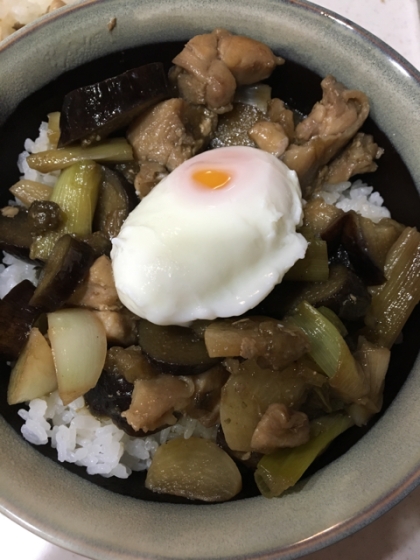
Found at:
<point>13,271</point>
<point>358,197</point>
<point>32,147</point>
<point>97,444</point>
<point>17,13</point>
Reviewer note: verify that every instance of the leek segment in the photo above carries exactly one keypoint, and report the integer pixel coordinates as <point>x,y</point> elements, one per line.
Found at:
<point>314,265</point>
<point>114,150</point>
<point>76,192</point>
<point>28,191</point>
<point>280,470</point>
<point>330,351</point>
<point>393,301</point>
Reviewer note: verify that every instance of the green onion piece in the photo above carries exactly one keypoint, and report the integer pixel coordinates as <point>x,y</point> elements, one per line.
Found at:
<point>314,266</point>
<point>53,131</point>
<point>330,351</point>
<point>334,319</point>
<point>28,191</point>
<point>114,150</point>
<point>281,469</point>
<point>76,192</point>
<point>393,301</point>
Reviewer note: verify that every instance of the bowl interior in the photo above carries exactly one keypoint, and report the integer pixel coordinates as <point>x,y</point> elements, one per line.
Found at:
<point>298,85</point>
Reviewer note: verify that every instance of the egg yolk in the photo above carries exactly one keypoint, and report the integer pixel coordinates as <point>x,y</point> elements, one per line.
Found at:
<point>211,178</point>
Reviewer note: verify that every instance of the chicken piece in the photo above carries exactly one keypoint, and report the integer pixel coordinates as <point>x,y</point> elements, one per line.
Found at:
<point>270,137</point>
<point>120,326</point>
<point>279,427</point>
<point>155,400</point>
<point>211,66</point>
<point>171,132</point>
<point>272,343</point>
<point>250,61</point>
<point>149,176</point>
<point>98,290</point>
<point>331,124</point>
<point>278,113</point>
<point>357,158</point>
<point>205,405</point>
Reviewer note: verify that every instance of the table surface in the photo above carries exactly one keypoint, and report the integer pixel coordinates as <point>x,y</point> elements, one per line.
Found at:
<point>396,535</point>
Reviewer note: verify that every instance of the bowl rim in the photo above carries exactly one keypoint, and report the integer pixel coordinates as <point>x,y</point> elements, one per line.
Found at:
<point>331,534</point>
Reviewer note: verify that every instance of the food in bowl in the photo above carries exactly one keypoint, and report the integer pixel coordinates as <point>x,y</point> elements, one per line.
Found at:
<point>285,381</point>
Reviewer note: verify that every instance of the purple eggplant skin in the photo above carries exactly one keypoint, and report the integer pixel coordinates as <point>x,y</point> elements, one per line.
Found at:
<point>117,198</point>
<point>16,235</point>
<point>17,317</point>
<point>175,350</point>
<point>89,114</point>
<point>110,397</point>
<point>67,266</point>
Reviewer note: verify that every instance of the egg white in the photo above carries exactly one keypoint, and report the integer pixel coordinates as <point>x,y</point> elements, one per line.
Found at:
<point>190,252</point>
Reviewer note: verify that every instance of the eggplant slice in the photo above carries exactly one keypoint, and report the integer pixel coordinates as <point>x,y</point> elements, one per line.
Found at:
<point>14,333</point>
<point>116,200</point>
<point>66,267</point>
<point>89,114</point>
<point>175,350</point>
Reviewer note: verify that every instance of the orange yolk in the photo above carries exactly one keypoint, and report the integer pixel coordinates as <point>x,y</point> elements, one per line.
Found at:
<point>211,178</point>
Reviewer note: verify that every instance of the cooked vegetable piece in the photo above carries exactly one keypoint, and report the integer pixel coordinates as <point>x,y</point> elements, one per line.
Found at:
<point>116,200</point>
<point>343,292</point>
<point>331,353</point>
<point>323,219</point>
<point>76,193</point>
<point>53,131</point>
<point>205,404</point>
<point>176,350</point>
<point>78,343</point>
<point>273,342</point>
<point>44,215</point>
<point>91,113</point>
<point>129,362</point>
<point>393,301</point>
<point>374,361</point>
<point>16,234</point>
<point>334,319</point>
<point>314,266</point>
<point>194,468</point>
<point>14,333</point>
<point>368,243</point>
<point>248,393</point>
<point>283,468</point>
<point>100,243</point>
<point>28,191</point>
<point>33,375</point>
<point>110,397</point>
<point>114,150</point>
<point>66,267</point>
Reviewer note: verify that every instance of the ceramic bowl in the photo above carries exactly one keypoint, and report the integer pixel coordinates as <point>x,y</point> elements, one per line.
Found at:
<point>348,489</point>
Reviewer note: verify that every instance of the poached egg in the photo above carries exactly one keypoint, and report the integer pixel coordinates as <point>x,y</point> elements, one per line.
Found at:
<point>212,239</point>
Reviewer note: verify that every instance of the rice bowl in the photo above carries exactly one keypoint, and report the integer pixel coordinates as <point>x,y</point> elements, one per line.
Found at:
<point>323,478</point>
